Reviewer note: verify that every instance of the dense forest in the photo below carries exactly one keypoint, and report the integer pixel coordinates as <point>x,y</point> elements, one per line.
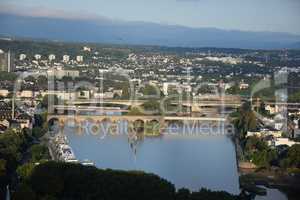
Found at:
<point>63,181</point>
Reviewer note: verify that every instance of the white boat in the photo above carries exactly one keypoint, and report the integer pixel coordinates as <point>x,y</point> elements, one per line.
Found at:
<point>87,163</point>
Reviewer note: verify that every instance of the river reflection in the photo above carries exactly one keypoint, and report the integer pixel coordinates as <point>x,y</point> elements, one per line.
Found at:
<point>272,194</point>
<point>187,161</point>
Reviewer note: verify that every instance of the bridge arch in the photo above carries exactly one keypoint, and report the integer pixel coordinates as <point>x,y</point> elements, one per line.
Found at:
<point>139,125</point>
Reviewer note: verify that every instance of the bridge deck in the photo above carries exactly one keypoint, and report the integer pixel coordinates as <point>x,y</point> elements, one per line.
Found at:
<point>133,118</point>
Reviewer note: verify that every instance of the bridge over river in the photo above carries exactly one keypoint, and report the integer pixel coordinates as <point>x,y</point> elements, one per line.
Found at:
<point>195,106</point>
<point>162,120</point>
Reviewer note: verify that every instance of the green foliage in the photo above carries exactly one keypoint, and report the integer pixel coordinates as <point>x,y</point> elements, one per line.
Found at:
<point>294,97</point>
<point>255,144</point>
<point>205,194</point>
<point>42,81</point>
<point>39,152</point>
<point>152,106</point>
<point>150,90</point>
<point>152,128</point>
<point>24,191</point>
<point>40,119</point>
<point>52,99</point>
<point>125,91</point>
<point>3,175</point>
<point>71,181</point>
<point>292,159</point>
<point>12,145</point>
<point>183,194</point>
<point>259,153</point>
<point>264,158</point>
<point>262,110</point>
<point>38,132</point>
<point>246,120</point>
<point>7,76</point>
<point>24,171</point>
<point>134,111</point>
<point>64,181</point>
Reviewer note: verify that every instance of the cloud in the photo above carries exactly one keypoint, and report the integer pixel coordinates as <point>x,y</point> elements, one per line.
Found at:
<point>39,11</point>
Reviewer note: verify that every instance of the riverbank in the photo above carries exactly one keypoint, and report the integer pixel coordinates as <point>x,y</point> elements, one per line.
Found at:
<point>289,184</point>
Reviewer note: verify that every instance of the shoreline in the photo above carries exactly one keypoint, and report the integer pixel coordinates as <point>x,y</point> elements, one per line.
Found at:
<point>273,179</point>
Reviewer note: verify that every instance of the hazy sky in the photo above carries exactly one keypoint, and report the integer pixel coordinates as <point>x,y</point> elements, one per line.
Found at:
<point>254,15</point>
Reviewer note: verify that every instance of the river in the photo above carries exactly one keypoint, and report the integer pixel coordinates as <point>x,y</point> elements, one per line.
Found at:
<point>187,161</point>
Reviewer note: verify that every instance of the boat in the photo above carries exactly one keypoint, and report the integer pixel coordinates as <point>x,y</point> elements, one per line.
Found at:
<point>87,163</point>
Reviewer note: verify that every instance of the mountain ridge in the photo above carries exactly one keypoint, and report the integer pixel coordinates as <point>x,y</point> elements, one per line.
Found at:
<point>141,33</point>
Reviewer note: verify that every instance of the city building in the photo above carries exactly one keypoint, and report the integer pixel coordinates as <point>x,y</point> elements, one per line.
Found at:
<point>243,86</point>
<point>264,133</point>
<point>25,94</point>
<point>22,57</point>
<point>37,56</point>
<point>51,57</point>
<point>284,141</point>
<point>167,85</point>
<point>79,58</point>
<point>85,48</point>
<point>66,58</point>
<point>60,73</point>
<point>63,95</point>
<point>4,93</point>
<point>7,62</point>
<point>5,111</point>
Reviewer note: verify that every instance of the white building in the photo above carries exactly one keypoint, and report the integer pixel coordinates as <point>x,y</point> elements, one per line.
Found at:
<point>83,94</point>
<point>243,86</point>
<point>264,133</point>
<point>59,73</point>
<point>85,48</point>
<point>105,95</point>
<point>37,56</point>
<point>63,95</point>
<point>79,58</point>
<point>66,58</point>
<point>25,94</point>
<point>167,85</point>
<point>51,57</point>
<point>4,92</point>
<point>271,109</point>
<point>22,56</point>
<point>284,141</point>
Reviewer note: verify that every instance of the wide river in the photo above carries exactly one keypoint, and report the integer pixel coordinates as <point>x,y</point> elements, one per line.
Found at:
<point>187,161</point>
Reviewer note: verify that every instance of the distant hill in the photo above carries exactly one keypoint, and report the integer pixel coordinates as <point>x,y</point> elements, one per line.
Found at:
<point>119,32</point>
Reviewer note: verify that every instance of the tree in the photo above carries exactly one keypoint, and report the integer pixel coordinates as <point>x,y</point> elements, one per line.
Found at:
<point>39,152</point>
<point>262,109</point>
<point>24,191</point>
<point>134,111</point>
<point>73,181</point>
<point>150,90</point>
<point>183,194</point>
<point>152,106</point>
<point>42,82</point>
<point>246,120</point>
<point>2,167</point>
<point>12,145</point>
<point>53,99</point>
<point>24,171</point>
<point>3,176</point>
<point>293,157</point>
<point>259,152</point>
<point>30,79</point>
<point>38,132</point>
<point>125,91</point>
<point>7,76</point>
